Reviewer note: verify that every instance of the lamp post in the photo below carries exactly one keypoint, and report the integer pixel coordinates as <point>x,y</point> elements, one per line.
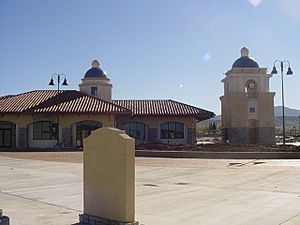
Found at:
<point>58,77</point>
<point>282,65</point>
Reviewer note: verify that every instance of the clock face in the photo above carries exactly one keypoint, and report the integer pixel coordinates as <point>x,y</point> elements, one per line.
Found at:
<point>251,85</point>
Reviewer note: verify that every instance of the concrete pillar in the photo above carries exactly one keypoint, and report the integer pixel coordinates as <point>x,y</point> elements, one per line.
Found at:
<point>109,178</point>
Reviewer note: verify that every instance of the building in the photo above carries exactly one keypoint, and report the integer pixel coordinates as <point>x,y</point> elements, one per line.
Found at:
<point>247,106</point>
<point>34,119</point>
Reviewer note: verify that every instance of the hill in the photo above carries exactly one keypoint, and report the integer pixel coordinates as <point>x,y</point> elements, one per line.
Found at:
<point>287,111</point>
<point>291,118</point>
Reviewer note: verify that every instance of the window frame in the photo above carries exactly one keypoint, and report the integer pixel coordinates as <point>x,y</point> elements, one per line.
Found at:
<point>172,130</point>
<point>94,91</point>
<point>42,132</point>
<point>131,127</point>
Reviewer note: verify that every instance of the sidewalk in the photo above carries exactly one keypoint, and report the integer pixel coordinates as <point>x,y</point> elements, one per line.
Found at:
<point>168,191</point>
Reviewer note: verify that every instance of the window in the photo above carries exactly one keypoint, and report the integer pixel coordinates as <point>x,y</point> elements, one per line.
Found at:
<point>172,130</point>
<point>84,129</point>
<point>252,110</point>
<point>7,134</point>
<point>135,130</point>
<point>94,91</point>
<point>44,130</point>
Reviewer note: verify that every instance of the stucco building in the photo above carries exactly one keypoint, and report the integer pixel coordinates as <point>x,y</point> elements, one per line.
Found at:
<point>247,106</point>
<point>30,120</point>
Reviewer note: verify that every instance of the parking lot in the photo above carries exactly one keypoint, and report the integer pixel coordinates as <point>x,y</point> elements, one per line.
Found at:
<point>168,191</point>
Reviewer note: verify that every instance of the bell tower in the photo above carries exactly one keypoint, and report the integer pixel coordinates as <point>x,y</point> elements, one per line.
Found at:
<point>247,106</point>
<point>96,82</point>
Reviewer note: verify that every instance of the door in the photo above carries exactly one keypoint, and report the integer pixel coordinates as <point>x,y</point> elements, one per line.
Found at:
<point>5,138</point>
<point>253,131</point>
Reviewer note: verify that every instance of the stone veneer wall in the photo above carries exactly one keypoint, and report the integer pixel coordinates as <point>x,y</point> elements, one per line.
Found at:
<point>22,139</point>
<point>152,135</point>
<point>238,135</point>
<point>66,136</point>
<point>266,135</point>
<point>192,136</point>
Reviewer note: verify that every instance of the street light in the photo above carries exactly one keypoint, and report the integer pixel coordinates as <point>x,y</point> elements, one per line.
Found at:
<point>58,77</point>
<point>289,72</point>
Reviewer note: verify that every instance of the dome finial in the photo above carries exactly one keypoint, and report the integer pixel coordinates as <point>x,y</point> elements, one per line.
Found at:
<point>95,63</point>
<point>245,52</point>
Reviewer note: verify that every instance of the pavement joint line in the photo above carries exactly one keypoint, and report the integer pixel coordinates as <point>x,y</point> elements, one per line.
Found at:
<point>37,188</point>
<point>34,200</point>
<point>287,220</point>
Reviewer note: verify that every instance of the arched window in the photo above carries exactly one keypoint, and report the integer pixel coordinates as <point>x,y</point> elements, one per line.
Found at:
<point>44,130</point>
<point>84,129</point>
<point>135,130</point>
<point>172,130</point>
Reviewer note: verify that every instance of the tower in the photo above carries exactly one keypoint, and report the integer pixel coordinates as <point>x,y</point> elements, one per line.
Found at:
<point>96,83</point>
<point>247,106</point>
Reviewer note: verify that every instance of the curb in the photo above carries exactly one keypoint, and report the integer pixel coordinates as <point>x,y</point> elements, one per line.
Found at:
<point>217,155</point>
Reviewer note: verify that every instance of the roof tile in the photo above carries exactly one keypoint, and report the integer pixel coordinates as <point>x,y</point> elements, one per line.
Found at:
<point>46,101</point>
<point>163,108</point>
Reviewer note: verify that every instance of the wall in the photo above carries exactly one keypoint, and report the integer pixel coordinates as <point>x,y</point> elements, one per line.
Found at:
<point>153,127</point>
<point>104,87</point>
<point>66,121</point>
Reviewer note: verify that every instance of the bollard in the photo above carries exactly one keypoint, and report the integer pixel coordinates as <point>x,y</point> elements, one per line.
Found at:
<point>4,220</point>
<point>109,178</point>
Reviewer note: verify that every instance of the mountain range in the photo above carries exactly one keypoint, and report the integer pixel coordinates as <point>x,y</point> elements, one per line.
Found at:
<point>292,118</point>
<point>287,111</point>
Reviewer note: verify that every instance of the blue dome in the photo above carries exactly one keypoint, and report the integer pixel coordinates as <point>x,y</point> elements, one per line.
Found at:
<point>245,61</point>
<point>95,72</point>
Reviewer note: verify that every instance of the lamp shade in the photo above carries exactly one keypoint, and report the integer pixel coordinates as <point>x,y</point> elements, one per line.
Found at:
<point>274,71</point>
<point>289,72</point>
<point>65,83</point>
<point>51,82</point>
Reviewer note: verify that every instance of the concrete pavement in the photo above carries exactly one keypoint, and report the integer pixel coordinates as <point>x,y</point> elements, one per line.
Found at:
<point>168,191</point>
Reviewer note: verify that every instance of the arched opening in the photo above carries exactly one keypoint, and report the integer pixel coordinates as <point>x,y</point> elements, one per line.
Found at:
<point>7,134</point>
<point>135,130</point>
<point>84,129</point>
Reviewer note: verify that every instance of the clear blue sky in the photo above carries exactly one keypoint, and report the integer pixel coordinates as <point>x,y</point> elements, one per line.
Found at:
<point>151,49</point>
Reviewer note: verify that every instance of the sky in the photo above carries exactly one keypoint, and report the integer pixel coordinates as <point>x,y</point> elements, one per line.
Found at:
<point>150,49</point>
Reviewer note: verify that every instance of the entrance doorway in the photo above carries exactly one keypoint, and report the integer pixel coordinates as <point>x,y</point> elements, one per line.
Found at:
<point>253,131</point>
<point>84,129</point>
<point>7,134</point>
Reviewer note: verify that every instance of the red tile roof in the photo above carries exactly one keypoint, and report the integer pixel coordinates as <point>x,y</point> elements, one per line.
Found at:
<point>69,101</point>
<point>163,108</point>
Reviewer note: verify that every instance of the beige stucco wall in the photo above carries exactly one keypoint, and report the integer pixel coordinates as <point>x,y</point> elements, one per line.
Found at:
<point>155,121</point>
<point>104,87</point>
<point>107,120</point>
<point>66,121</point>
